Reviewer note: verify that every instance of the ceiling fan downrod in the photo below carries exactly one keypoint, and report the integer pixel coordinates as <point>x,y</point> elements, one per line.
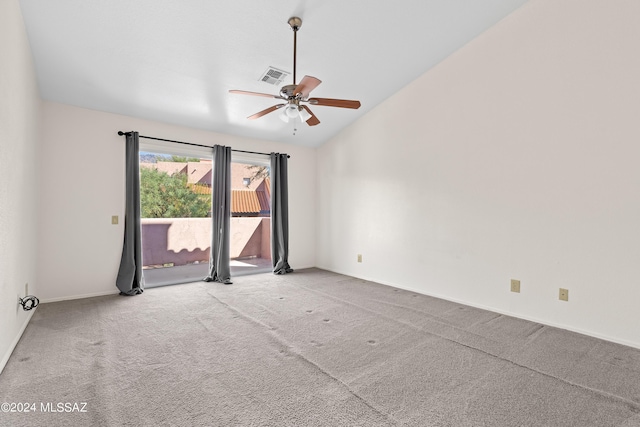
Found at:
<point>295,23</point>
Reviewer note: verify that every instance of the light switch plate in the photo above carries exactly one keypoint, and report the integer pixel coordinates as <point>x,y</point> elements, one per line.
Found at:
<point>114,219</point>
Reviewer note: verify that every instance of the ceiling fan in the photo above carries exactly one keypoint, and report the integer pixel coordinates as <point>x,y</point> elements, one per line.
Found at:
<point>296,95</point>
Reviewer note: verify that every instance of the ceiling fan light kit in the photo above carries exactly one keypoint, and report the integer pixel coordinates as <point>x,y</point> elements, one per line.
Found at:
<point>292,112</point>
<point>296,95</point>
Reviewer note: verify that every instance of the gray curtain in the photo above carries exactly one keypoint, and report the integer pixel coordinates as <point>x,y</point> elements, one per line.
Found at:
<point>130,280</point>
<point>219,269</point>
<point>279,215</point>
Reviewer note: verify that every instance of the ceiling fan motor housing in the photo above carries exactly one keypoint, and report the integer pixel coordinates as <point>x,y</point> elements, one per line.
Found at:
<point>288,91</point>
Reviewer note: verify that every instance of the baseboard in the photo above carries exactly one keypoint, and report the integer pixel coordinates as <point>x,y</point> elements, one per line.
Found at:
<point>496,310</point>
<point>72,297</point>
<point>5,358</point>
<point>297,267</point>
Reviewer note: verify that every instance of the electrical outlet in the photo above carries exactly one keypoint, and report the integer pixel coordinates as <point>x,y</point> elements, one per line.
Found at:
<point>359,257</point>
<point>564,294</point>
<point>114,219</point>
<point>515,285</point>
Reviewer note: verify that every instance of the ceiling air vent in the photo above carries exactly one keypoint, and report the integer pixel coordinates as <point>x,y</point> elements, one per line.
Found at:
<point>274,76</point>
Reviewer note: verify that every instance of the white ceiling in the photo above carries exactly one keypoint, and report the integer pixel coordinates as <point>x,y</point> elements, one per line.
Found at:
<point>174,61</point>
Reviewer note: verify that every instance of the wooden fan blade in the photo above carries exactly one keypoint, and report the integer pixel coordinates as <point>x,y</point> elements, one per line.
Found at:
<point>265,111</point>
<point>313,120</point>
<point>342,103</point>
<point>307,84</point>
<point>266,95</point>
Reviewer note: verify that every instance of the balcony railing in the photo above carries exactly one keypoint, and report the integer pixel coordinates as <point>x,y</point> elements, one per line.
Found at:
<point>183,241</point>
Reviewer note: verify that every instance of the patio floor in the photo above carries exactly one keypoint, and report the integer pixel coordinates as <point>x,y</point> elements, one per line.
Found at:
<point>195,272</point>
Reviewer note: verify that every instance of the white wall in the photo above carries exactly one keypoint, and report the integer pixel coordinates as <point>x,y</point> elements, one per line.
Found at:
<point>83,186</point>
<point>517,157</point>
<point>19,143</point>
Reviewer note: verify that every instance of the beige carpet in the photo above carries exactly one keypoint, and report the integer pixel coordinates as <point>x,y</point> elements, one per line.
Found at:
<point>312,348</point>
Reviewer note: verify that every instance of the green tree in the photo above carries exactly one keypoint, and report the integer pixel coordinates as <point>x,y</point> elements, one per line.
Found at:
<point>168,196</point>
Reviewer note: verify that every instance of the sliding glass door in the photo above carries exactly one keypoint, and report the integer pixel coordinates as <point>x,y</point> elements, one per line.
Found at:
<point>250,215</point>
<point>175,205</point>
<point>175,210</point>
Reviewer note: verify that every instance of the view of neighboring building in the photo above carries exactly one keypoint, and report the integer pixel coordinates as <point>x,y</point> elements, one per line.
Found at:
<point>250,197</point>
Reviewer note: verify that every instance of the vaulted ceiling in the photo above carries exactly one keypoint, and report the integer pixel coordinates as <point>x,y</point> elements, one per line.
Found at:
<point>175,61</point>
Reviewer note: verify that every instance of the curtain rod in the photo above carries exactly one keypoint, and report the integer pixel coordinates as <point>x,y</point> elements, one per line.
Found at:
<point>191,143</point>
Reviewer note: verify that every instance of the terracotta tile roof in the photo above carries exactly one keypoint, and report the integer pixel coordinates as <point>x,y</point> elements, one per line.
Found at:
<point>250,202</point>
<point>243,202</point>
<point>247,202</point>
